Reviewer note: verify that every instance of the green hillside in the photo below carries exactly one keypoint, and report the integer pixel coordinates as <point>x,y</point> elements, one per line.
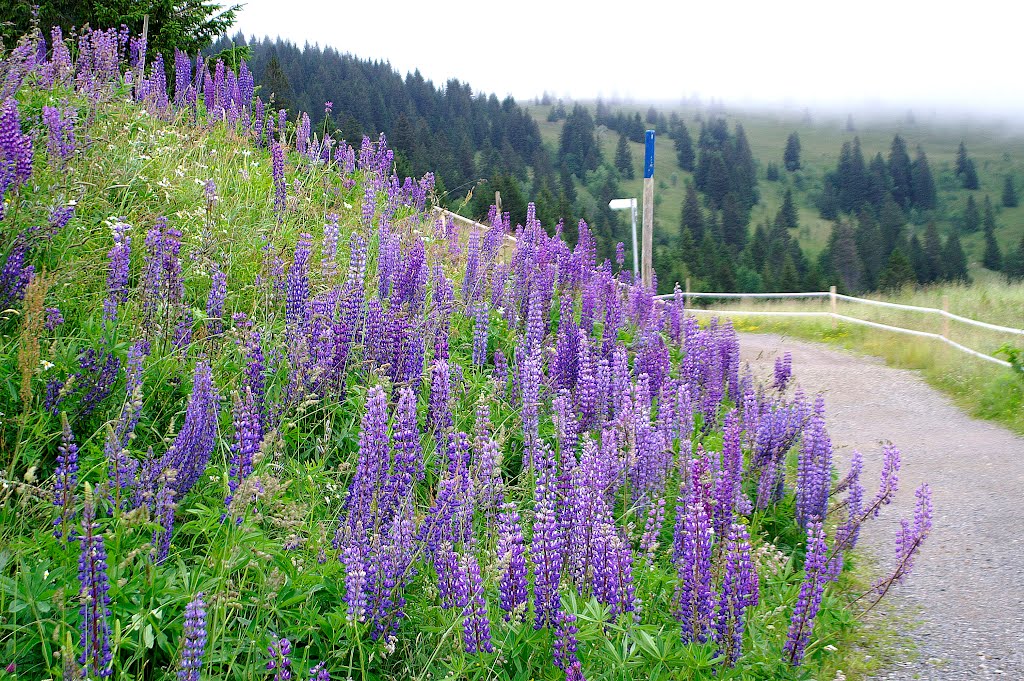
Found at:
<point>996,148</point>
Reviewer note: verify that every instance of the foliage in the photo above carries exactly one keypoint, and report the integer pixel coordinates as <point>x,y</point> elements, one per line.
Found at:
<point>261,461</point>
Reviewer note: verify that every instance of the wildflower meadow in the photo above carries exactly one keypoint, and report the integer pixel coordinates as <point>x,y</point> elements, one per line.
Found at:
<point>266,414</point>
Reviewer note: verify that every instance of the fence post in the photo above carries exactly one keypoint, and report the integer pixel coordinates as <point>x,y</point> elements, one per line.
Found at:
<point>497,203</point>
<point>686,298</point>
<point>646,266</point>
<point>945,316</point>
<point>832,298</point>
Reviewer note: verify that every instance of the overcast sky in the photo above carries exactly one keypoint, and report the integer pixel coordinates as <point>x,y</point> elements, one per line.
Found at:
<point>946,55</point>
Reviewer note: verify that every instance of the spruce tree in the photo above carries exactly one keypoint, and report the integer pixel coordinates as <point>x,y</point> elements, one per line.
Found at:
<point>992,258</point>
<point>791,157</point>
<point>734,222</point>
<point>684,147</point>
<point>918,260</point>
<point>970,222</point>
<point>771,172</point>
<point>787,216</point>
<point>924,195</point>
<point>1009,193</point>
<point>624,158</point>
<point>897,272</point>
<point>891,220</point>
<point>933,254</point>
<point>869,247</point>
<point>1013,268</point>
<point>954,261</point>
<point>692,218</point>
<point>275,82</point>
<point>965,169</point>
<point>843,258</point>
<point>899,172</point>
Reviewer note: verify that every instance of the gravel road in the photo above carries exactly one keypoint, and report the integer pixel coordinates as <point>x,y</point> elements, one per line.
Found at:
<point>968,583</point>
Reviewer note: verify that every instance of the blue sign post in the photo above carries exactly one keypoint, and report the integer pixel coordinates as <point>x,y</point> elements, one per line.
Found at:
<point>647,271</point>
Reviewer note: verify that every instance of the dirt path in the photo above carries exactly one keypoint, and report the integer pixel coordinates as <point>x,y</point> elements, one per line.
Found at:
<point>969,581</point>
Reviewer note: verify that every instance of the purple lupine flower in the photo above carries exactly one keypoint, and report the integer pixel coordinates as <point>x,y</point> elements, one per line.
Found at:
<point>248,438</point>
<point>510,552</point>
<point>783,371</point>
<point>531,374</point>
<point>163,509</point>
<point>329,251</point>
<point>54,318</point>
<point>652,528</point>
<point>620,254</point>
<point>191,449</point>
<point>95,378</point>
<point>16,150</point>
<point>195,640</point>
<point>567,348</point>
<point>909,539</point>
<point>849,530</point>
<point>890,481</point>
<point>297,299</point>
<point>811,590</point>
<point>15,275</point>
<point>117,279</point>
<point>696,601</point>
<point>480,327</point>
<point>353,558</point>
<point>372,467</point>
<point>500,369</point>
<point>280,186</point>
<point>476,627</point>
<point>215,300</point>
<point>440,413</point>
<point>280,650</point>
<point>319,672</point>
<point>96,658</point>
<point>564,646</point>
<point>470,281</point>
<point>729,483</point>
<point>66,480</point>
<point>60,133</point>
<point>814,469</point>
<point>547,553</point>
<point>739,592</point>
<point>488,483</point>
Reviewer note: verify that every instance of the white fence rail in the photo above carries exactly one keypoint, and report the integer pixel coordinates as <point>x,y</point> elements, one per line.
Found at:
<point>834,315</point>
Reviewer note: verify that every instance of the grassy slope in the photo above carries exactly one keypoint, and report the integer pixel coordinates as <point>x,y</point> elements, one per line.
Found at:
<point>139,168</point>
<point>996,149</point>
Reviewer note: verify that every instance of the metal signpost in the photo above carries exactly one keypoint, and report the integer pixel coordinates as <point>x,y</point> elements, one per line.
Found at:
<point>648,268</point>
<point>629,204</point>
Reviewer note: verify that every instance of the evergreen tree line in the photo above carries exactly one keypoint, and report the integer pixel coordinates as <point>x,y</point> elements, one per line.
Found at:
<point>459,135</point>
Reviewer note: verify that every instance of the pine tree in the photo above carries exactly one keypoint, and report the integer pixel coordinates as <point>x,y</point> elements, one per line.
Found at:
<point>692,218</point>
<point>734,222</point>
<point>1014,266</point>
<point>970,222</point>
<point>933,253</point>
<point>891,220</point>
<point>869,247</point>
<point>853,179</point>
<point>684,147</point>
<point>624,158</point>
<point>275,83</point>
<point>899,172</point>
<point>844,261</point>
<point>993,258</point>
<point>771,172</point>
<point>1009,193</point>
<point>918,260</point>
<point>787,216</point>
<point>898,272</point>
<point>954,261</point>
<point>879,182</point>
<point>965,169</point>
<point>791,157</point>
<point>924,195</point>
